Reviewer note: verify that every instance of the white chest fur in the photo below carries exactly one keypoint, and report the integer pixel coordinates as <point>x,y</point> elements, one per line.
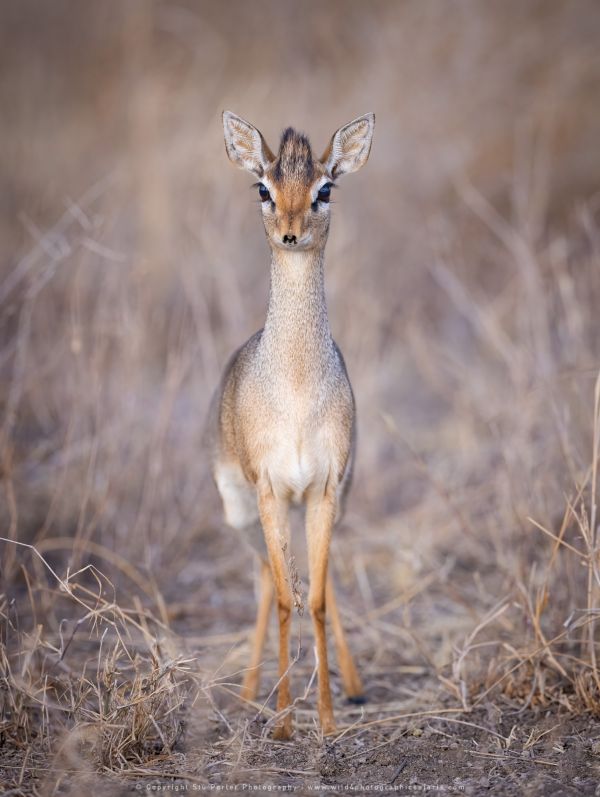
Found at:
<point>295,465</point>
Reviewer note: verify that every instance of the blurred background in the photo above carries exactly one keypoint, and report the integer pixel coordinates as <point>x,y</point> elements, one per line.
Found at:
<point>463,288</point>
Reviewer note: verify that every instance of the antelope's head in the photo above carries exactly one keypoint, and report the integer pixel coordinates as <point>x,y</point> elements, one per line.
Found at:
<point>294,188</point>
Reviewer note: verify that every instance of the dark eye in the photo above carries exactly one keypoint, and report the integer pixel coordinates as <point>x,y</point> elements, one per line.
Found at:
<point>263,192</point>
<point>324,193</point>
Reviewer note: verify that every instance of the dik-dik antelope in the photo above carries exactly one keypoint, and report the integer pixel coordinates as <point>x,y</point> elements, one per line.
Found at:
<point>283,419</point>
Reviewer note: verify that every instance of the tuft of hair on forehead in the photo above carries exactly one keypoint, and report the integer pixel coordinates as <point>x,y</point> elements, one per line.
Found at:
<point>294,159</point>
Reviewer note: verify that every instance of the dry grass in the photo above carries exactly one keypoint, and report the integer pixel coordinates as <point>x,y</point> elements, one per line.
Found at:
<point>463,286</point>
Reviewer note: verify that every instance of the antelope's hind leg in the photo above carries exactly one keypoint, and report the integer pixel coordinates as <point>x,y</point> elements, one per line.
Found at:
<point>241,513</point>
<point>238,496</point>
<point>350,677</point>
<point>252,676</point>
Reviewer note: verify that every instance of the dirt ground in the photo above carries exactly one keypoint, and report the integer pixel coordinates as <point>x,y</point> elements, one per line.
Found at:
<point>410,736</point>
<point>486,751</point>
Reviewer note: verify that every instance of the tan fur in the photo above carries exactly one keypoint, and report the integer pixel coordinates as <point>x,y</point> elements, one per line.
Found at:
<point>283,419</point>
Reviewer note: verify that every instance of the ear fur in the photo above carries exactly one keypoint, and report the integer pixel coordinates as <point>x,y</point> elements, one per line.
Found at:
<point>349,147</point>
<point>245,145</point>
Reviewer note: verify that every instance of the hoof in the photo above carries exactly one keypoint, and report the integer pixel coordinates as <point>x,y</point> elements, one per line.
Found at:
<point>357,700</point>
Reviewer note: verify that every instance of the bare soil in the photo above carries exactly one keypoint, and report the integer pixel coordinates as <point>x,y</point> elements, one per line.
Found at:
<point>550,754</point>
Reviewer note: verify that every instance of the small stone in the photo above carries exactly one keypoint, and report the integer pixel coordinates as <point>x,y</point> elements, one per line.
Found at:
<point>596,748</point>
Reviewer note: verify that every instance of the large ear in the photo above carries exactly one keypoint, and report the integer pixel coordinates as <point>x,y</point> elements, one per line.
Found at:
<point>349,148</point>
<point>245,145</point>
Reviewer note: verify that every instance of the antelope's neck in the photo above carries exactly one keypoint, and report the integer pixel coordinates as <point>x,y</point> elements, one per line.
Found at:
<point>296,338</point>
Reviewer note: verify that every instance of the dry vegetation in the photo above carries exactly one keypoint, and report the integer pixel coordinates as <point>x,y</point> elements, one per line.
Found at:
<point>463,281</point>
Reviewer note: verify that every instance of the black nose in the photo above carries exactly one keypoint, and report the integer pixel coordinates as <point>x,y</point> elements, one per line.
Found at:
<point>290,239</point>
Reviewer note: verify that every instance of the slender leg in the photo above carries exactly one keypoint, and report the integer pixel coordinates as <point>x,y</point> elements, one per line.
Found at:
<point>320,515</point>
<point>273,516</point>
<point>350,677</point>
<point>252,675</point>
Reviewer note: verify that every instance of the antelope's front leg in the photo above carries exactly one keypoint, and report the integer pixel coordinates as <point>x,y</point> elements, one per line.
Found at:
<point>273,515</point>
<point>320,516</point>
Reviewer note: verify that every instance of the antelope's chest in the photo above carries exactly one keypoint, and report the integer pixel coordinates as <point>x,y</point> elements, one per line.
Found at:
<point>295,448</point>
<point>297,460</point>
<point>298,434</point>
